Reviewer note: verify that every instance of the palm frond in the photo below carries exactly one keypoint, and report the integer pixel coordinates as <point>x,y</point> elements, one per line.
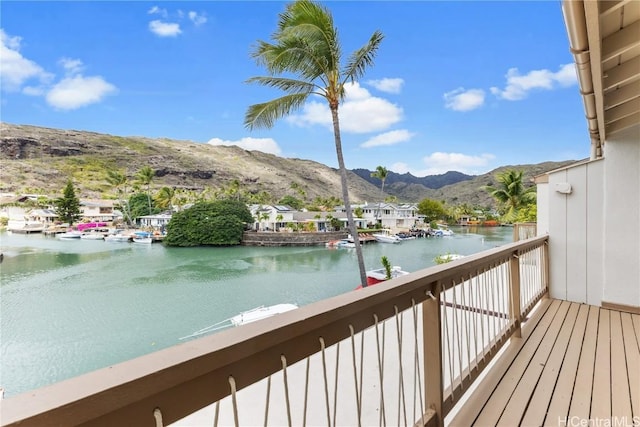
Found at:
<point>265,115</point>
<point>362,58</point>
<point>287,85</point>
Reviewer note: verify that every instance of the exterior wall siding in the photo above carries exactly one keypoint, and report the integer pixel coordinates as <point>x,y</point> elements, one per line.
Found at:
<point>575,225</point>
<point>622,219</point>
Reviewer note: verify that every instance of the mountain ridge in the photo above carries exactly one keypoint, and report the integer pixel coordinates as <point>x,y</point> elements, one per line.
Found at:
<point>38,159</point>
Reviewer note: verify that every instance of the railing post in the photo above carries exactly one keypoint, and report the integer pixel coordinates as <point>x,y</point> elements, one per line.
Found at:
<point>432,350</point>
<point>515,311</point>
<point>545,271</point>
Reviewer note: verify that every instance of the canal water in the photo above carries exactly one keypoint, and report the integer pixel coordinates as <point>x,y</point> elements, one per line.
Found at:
<point>68,307</point>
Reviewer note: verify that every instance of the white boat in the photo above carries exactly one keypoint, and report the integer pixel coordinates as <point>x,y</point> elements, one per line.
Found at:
<point>117,238</point>
<point>142,237</point>
<point>94,234</point>
<point>385,236</point>
<point>443,231</point>
<point>245,317</point>
<point>260,313</point>
<point>73,234</point>
<point>342,243</point>
<point>443,259</point>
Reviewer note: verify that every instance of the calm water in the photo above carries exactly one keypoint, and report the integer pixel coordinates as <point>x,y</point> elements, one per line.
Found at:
<point>69,307</point>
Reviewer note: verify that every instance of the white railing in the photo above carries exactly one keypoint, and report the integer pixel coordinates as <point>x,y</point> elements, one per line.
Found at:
<point>398,353</point>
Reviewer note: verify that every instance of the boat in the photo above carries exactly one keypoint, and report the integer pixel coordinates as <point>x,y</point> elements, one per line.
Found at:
<point>342,243</point>
<point>260,313</point>
<point>142,237</point>
<point>380,275</point>
<point>442,231</point>
<point>69,235</point>
<point>245,317</point>
<point>117,236</point>
<point>385,236</point>
<point>94,234</point>
<point>443,259</point>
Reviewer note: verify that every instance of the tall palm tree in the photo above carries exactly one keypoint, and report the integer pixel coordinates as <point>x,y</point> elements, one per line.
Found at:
<point>381,173</point>
<point>119,180</point>
<point>145,176</point>
<point>511,193</point>
<point>304,59</point>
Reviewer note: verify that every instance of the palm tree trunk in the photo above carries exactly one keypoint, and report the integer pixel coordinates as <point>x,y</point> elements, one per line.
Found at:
<point>345,195</point>
<point>149,197</point>
<point>379,215</point>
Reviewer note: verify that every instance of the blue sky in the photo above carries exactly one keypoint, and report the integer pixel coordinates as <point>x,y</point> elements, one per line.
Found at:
<point>467,86</point>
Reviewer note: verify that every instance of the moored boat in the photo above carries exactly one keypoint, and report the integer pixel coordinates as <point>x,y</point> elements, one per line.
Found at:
<point>385,236</point>
<point>142,237</point>
<point>260,313</point>
<point>117,236</point>
<point>94,234</point>
<point>245,317</point>
<point>69,235</point>
<point>380,275</point>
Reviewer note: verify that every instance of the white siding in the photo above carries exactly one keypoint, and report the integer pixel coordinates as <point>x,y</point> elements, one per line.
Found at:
<point>542,198</point>
<point>622,219</point>
<point>575,223</point>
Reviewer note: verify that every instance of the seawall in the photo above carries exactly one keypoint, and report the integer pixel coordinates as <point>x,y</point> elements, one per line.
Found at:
<point>266,238</point>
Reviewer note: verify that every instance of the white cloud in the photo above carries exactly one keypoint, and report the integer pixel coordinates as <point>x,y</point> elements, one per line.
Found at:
<point>438,163</point>
<point>71,66</point>
<point>15,69</point>
<point>155,10</point>
<point>464,100</point>
<point>164,29</point>
<point>388,138</point>
<point>387,85</point>
<point>266,145</point>
<point>360,113</point>
<point>78,91</point>
<point>34,90</point>
<point>518,86</point>
<point>196,18</point>
<point>72,92</point>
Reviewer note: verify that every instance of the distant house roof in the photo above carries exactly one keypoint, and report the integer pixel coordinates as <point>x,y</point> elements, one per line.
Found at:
<point>43,213</point>
<point>97,203</point>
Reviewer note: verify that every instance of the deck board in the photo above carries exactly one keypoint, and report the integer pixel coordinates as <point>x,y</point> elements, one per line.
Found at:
<point>495,406</point>
<point>544,390</point>
<point>581,402</point>
<point>533,376</point>
<point>561,397</point>
<point>601,394</point>
<point>632,353</point>
<point>620,396</point>
<point>576,362</point>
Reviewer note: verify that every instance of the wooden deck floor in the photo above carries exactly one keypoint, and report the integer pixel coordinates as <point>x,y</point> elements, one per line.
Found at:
<point>575,365</point>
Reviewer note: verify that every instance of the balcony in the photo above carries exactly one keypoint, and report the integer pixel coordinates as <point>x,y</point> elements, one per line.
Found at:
<point>474,341</point>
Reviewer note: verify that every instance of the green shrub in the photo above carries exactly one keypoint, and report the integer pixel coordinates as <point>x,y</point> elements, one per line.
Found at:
<point>219,223</point>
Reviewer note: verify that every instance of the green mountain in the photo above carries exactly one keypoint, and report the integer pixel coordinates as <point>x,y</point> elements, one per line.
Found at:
<point>41,160</point>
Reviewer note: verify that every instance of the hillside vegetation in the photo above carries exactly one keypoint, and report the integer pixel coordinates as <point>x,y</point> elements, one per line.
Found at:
<point>41,160</point>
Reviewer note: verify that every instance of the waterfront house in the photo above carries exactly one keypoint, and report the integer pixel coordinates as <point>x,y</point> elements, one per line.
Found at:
<point>97,210</point>
<point>157,222</point>
<point>386,215</point>
<point>547,330</point>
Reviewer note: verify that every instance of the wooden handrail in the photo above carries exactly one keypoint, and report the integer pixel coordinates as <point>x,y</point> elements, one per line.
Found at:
<point>188,376</point>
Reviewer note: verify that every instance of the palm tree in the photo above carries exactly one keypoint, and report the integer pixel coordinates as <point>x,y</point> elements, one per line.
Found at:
<point>119,180</point>
<point>511,192</point>
<point>305,59</point>
<point>381,173</point>
<point>145,176</point>
<point>164,198</point>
